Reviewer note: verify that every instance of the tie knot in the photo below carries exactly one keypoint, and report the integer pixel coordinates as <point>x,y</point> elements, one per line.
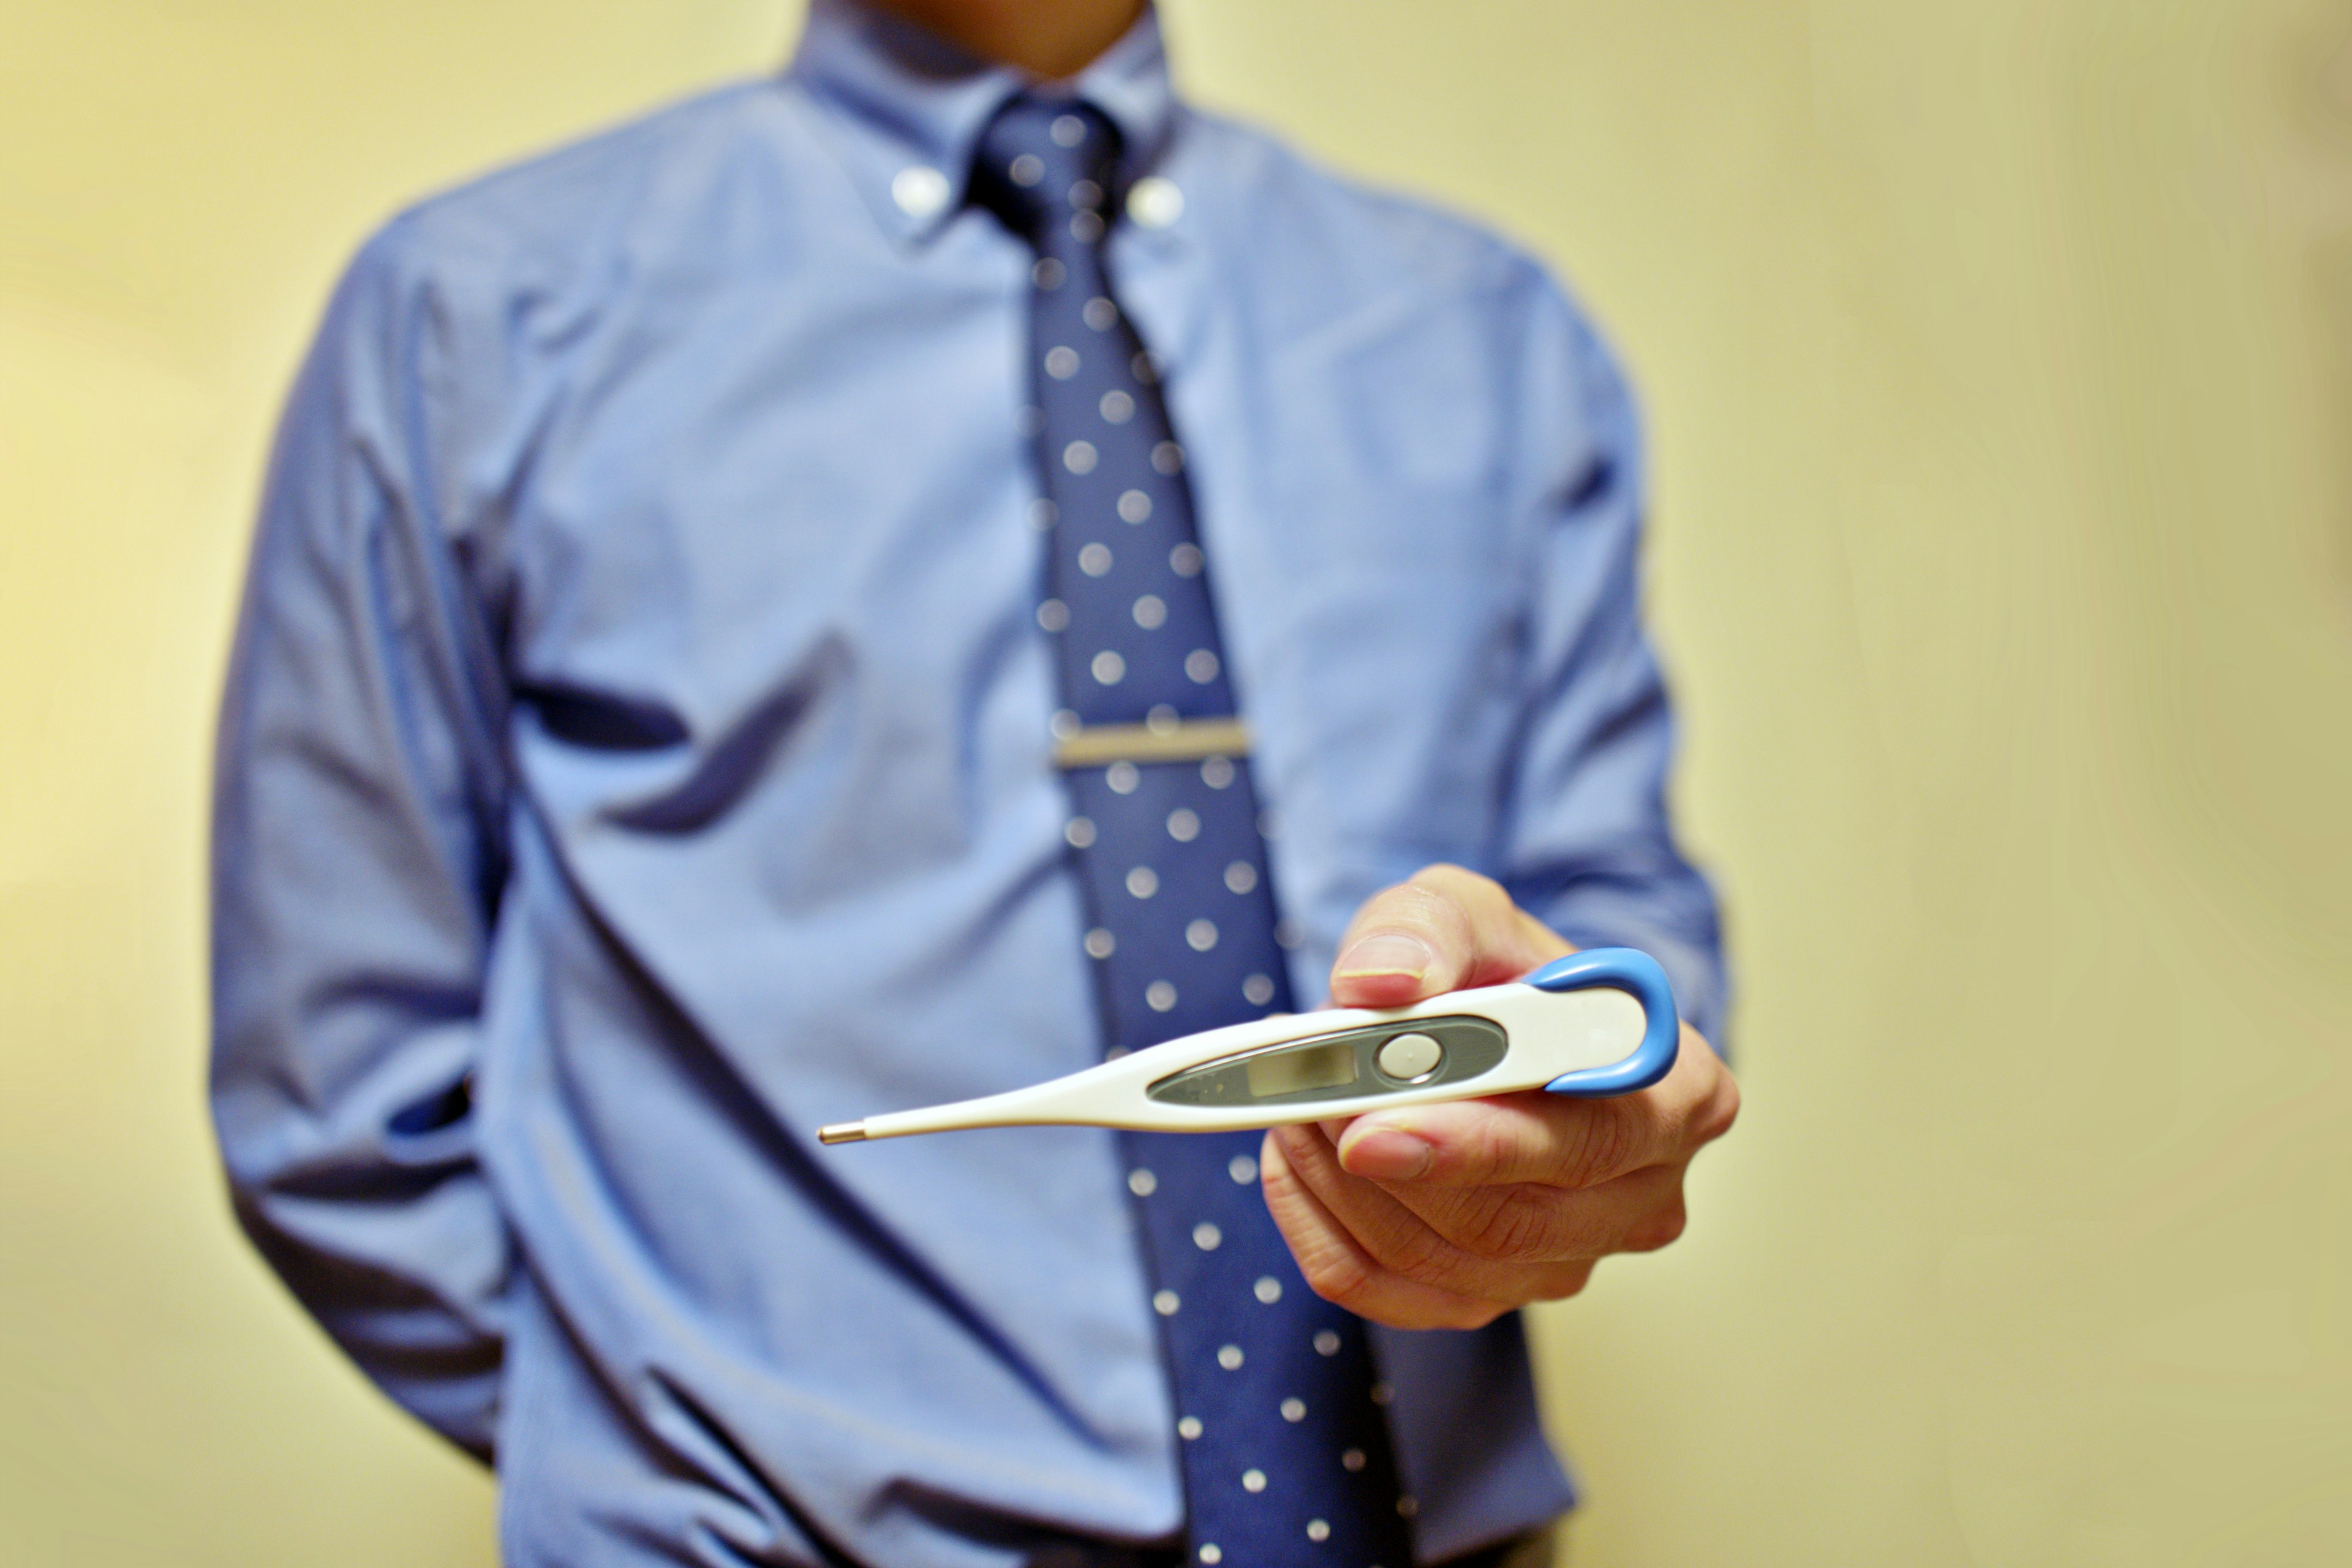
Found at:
<point>1045,168</point>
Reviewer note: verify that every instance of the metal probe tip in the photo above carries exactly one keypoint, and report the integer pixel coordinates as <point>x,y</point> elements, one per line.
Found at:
<point>842,1132</point>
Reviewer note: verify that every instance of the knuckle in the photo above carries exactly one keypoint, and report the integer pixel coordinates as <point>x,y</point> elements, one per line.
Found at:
<point>1453,879</point>
<point>1721,1111</point>
<point>1572,1282</point>
<point>1470,892</point>
<point>1509,1226</point>
<point>1440,881</point>
<point>1409,901</point>
<point>1602,1147</point>
<point>1417,1252</point>
<point>1335,1274</point>
<point>1485,1150</point>
<point>1661,1229</point>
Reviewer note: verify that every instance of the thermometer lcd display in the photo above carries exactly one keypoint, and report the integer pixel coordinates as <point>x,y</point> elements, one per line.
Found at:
<point>1341,1065</point>
<point>1288,1072</point>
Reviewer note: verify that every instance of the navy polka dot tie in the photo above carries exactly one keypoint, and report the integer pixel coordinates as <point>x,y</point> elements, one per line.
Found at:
<point>1285,1449</point>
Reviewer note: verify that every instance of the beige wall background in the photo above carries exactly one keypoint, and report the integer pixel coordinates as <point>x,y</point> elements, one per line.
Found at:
<point>2000,363</point>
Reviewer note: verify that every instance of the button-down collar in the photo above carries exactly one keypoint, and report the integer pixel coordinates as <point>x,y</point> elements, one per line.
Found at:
<point>905,108</point>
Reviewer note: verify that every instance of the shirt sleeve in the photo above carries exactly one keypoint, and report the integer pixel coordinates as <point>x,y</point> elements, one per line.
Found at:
<point>1587,847</point>
<point>357,864</point>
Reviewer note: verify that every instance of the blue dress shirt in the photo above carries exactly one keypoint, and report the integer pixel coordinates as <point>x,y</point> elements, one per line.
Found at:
<point>636,754</point>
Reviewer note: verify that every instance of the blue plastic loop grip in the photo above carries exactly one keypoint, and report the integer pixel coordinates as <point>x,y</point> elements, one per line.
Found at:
<point>1628,970</point>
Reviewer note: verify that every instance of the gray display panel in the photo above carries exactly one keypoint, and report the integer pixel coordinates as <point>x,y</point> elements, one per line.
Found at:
<point>1297,1071</point>
<point>1342,1064</point>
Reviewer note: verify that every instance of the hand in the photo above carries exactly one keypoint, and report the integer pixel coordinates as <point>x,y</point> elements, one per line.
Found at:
<point>1445,1216</point>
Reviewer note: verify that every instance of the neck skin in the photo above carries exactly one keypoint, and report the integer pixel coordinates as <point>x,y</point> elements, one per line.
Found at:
<point>1050,39</point>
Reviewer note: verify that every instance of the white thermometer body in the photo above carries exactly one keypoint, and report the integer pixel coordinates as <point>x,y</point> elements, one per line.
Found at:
<point>1599,1021</point>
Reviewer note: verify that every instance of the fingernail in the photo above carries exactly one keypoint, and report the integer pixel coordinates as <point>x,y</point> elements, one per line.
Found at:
<point>1383,952</point>
<point>1387,1154</point>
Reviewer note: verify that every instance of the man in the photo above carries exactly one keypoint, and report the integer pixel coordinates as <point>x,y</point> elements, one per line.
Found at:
<point>877,587</point>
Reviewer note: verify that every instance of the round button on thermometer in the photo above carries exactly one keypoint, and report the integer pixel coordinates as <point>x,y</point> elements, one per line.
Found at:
<point>1410,1057</point>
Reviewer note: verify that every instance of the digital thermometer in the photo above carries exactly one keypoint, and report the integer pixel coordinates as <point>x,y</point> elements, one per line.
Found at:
<point>1595,1023</point>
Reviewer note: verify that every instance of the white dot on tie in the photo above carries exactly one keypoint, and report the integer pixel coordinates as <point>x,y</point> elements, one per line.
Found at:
<point>1207,1236</point>
<point>1217,771</point>
<point>1063,724</point>
<point>1161,719</point>
<point>1165,1303</point>
<point>1114,1053</point>
<point>1230,1357</point>
<point>1183,825</point>
<point>1408,1506</point>
<point>1067,130</point>
<point>1061,363</point>
<point>1201,666</point>
<point>1189,1428</point>
<point>1294,1410</point>
<point>1122,776</point>
<point>1353,1460</point>
<point>1030,420</point>
<point>1099,313</point>
<point>1185,561</point>
<point>1160,996</point>
<point>1155,202</point>
<point>1086,227</point>
<point>1134,506</point>
<point>1078,456</point>
<point>1382,1394</point>
<point>1201,935</point>
<point>1268,1290</point>
<point>1027,170</point>
<point>1042,513</point>
<point>1240,876</point>
<point>1146,368</point>
<point>1142,1183</point>
<point>919,191</point>
<point>1118,407</point>
<point>1079,831</point>
<point>1085,193</point>
<point>1257,990</point>
<point>1317,1530</point>
<point>1212,1552</point>
<point>1288,932</point>
<point>1109,668</point>
<point>1095,559</point>
<point>1053,614</point>
<point>1150,612</point>
<point>1168,457</point>
<point>1253,1480</point>
<point>1047,274</point>
<point>1326,1342</point>
<point>1243,1169</point>
<point>1142,882</point>
<point>1101,943</point>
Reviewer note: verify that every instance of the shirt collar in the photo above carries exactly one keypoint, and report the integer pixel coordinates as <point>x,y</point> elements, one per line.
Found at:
<point>908,108</point>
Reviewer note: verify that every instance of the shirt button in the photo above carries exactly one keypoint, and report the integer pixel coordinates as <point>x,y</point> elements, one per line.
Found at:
<point>1155,202</point>
<point>919,190</point>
